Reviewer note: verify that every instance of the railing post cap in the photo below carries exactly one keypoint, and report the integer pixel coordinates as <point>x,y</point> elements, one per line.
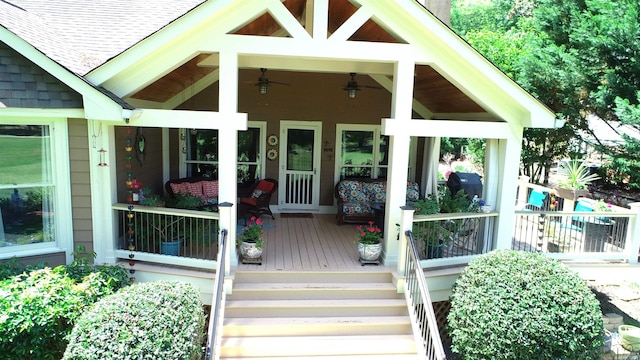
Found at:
<point>407,208</point>
<point>225,204</point>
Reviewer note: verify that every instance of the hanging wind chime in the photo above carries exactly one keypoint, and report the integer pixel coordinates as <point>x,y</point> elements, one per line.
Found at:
<point>130,200</point>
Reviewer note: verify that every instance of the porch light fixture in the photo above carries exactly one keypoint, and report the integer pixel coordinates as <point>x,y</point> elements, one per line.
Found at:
<point>352,86</point>
<point>263,82</point>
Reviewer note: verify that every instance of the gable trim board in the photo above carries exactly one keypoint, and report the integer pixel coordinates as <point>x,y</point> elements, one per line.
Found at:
<point>429,42</point>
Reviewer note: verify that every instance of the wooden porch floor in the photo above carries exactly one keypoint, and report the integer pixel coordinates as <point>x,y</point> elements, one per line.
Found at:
<point>309,244</point>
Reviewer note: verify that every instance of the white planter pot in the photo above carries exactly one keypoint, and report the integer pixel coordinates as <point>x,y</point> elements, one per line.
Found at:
<point>369,252</point>
<point>249,250</point>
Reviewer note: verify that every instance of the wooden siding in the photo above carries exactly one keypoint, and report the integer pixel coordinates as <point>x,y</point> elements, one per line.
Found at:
<point>80,183</point>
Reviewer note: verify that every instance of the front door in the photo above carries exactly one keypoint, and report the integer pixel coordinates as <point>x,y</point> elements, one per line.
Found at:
<point>299,165</point>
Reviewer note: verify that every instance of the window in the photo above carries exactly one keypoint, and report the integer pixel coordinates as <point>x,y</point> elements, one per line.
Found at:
<point>202,153</point>
<point>363,152</point>
<point>28,190</point>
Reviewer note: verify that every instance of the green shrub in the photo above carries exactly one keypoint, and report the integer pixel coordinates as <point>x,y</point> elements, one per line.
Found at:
<point>518,305</point>
<point>38,309</point>
<point>157,320</point>
<point>12,267</point>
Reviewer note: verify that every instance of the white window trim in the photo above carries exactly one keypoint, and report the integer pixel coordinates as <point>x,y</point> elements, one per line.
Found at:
<point>60,172</point>
<point>377,133</point>
<point>262,125</point>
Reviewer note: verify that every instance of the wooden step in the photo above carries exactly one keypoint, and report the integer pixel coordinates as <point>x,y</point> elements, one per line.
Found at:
<point>319,290</point>
<point>338,307</point>
<point>313,277</point>
<point>304,326</point>
<point>317,345</point>
<point>336,357</point>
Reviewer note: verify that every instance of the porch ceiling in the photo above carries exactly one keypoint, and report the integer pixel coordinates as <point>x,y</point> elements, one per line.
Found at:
<point>433,91</point>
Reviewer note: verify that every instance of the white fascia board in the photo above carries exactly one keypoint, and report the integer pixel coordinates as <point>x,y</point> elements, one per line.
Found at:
<point>41,113</point>
<point>450,128</point>
<point>96,104</point>
<point>189,119</point>
<point>462,65</point>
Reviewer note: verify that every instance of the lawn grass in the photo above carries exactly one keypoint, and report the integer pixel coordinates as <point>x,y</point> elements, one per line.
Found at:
<point>21,160</point>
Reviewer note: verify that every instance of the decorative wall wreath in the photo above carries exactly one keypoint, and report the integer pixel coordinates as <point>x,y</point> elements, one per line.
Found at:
<point>272,154</point>
<point>272,140</point>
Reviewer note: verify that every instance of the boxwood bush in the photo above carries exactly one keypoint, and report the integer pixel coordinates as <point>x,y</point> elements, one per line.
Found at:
<point>38,309</point>
<point>518,305</point>
<point>155,320</point>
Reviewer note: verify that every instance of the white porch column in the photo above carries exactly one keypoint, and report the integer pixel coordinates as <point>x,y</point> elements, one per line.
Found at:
<point>228,144</point>
<point>103,193</point>
<point>399,131</point>
<point>509,161</point>
<point>633,235</point>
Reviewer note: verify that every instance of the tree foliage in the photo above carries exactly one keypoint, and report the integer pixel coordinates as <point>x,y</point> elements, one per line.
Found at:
<point>576,56</point>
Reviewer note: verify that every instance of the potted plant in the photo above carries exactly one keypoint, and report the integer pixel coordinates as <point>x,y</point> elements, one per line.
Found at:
<point>369,244</point>
<point>251,241</point>
<point>575,180</point>
<point>171,234</point>
<point>427,232</point>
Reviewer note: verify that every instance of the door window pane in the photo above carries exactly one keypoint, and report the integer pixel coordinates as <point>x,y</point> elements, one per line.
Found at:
<point>300,149</point>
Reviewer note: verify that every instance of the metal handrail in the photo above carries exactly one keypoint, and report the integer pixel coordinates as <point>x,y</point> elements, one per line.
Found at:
<point>218,301</point>
<point>417,294</point>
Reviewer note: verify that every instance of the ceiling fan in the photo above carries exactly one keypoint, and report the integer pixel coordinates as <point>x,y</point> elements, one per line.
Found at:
<point>352,86</point>
<point>263,82</point>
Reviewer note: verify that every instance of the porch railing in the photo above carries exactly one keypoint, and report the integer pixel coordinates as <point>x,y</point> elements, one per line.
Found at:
<point>167,236</point>
<point>419,301</point>
<point>214,332</point>
<point>440,238</point>
<point>575,235</point>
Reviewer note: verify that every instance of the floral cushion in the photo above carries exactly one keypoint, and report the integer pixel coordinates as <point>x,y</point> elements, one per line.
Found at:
<point>359,197</point>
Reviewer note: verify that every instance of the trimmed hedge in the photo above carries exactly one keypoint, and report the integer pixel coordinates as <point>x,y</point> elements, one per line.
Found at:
<point>156,320</point>
<point>519,305</point>
<point>38,309</point>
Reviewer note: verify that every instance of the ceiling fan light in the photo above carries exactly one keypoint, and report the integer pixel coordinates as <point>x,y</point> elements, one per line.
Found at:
<point>262,88</point>
<point>351,93</point>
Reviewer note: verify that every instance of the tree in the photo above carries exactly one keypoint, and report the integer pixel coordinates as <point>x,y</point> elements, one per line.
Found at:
<point>575,56</point>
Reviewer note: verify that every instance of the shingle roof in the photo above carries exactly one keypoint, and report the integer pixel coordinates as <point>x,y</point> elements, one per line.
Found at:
<point>80,34</point>
<point>25,85</point>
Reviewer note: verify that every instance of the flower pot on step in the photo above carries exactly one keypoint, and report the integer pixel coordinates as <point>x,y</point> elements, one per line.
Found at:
<point>250,252</point>
<point>369,252</point>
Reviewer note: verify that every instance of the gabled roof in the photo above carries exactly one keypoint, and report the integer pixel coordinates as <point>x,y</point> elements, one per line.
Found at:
<point>109,41</point>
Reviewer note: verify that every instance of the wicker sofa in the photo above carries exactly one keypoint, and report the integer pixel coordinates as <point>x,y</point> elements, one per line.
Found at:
<point>358,199</point>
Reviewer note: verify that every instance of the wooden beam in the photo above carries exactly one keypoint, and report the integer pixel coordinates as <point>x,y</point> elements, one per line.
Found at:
<point>463,129</point>
<point>286,20</point>
<point>189,119</point>
<point>352,25</point>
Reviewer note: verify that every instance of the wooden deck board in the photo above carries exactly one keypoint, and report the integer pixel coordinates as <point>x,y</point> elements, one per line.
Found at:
<point>309,244</point>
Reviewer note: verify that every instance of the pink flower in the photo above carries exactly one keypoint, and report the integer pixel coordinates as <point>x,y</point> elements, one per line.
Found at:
<point>259,221</point>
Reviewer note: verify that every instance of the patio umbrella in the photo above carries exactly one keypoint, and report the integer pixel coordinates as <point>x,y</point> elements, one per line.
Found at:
<point>430,161</point>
